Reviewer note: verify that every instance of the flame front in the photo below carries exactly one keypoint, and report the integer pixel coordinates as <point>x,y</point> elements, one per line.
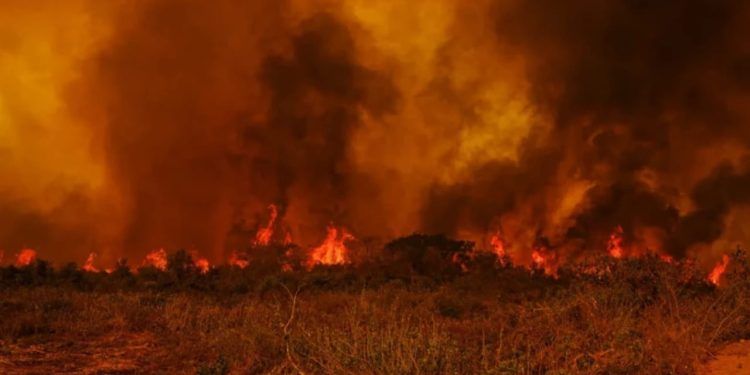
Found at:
<point>715,276</point>
<point>333,250</point>
<point>25,257</point>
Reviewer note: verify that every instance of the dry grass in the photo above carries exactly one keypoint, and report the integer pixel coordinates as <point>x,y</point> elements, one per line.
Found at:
<point>648,322</point>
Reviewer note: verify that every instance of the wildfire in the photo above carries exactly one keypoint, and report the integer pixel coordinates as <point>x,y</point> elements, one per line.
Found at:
<point>156,259</point>
<point>542,258</point>
<point>203,265</point>
<point>538,258</point>
<point>715,276</point>
<point>332,250</point>
<point>263,236</point>
<point>25,257</point>
<point>238,260</point>
<point>89,265</point>
<point>497,245</point>
<point>614,245</point>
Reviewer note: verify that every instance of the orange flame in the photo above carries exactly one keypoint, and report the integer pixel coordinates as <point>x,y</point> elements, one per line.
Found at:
<point>238,260</point>
<point>2,255</point>
<point>25,257</point>
<point>203,265</point>
<point>542,259</point>
<point>614,245</point>
<point>538,258</point>
<point>715,276</point>
<point>332,250</point>
<point>263,236</point>
<point>89,265</point>
<point>156,259</point>
<point>498,247</point>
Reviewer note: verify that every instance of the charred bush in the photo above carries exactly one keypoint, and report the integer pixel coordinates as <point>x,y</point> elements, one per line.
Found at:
<point>434,256</point>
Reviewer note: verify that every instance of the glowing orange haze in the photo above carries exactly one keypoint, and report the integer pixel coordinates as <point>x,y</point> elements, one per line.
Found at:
<point>25,257</point>
<point>130,126</point>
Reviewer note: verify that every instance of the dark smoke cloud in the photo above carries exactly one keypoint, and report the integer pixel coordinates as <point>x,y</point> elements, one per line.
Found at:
<point>630,87</point>
<point>203,113</point>
<point>215,110</point>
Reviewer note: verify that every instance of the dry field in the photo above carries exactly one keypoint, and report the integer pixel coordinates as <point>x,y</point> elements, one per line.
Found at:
<point>606,317</point>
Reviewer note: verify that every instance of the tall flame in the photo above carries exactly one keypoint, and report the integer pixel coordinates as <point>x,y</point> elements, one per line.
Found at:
<point>156,259</point>
<point>333,249</point>
<point>263,236</point>
<point>715,276</point>
<point>89,265</point>
<point>25,257</point>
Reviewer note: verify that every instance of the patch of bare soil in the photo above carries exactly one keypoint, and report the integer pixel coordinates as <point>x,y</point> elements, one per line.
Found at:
<point>122,353</point>
<point>732,359</point>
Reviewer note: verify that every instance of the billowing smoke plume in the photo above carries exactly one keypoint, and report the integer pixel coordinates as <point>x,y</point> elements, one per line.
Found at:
<point>545,122</point>
<point>643,101</point>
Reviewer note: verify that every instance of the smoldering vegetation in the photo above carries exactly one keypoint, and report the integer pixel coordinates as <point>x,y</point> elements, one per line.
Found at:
<point>419,304</point>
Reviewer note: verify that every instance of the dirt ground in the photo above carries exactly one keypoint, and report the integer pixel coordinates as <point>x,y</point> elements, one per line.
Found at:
<point>732,359</point>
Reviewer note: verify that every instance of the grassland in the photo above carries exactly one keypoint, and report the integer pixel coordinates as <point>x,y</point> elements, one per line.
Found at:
<point>603,317</point>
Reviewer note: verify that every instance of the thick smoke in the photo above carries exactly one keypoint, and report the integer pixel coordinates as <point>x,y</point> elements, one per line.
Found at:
<point>547,122</point>
<point>639,96</point>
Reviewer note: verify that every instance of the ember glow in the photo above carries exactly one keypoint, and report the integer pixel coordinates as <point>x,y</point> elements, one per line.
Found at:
<point>25,257</point>
<point>333,250</point>
<point>614,246</point>
<point>715,276</point>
